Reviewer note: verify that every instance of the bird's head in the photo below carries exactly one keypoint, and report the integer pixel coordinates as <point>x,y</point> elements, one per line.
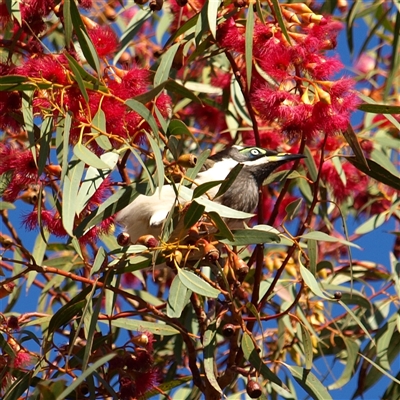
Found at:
<point>258,162</point>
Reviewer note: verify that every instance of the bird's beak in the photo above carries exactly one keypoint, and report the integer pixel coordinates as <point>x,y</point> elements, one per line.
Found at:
<point>285,157</point>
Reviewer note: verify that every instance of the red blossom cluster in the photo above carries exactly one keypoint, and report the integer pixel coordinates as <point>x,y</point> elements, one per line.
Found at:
<point>135,369</point>
<point>290,85</point>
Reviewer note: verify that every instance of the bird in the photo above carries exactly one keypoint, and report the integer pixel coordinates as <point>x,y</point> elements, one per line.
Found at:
<point>146,215</point>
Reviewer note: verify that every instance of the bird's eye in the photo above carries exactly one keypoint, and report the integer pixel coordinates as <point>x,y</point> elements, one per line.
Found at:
<point>254,152</point>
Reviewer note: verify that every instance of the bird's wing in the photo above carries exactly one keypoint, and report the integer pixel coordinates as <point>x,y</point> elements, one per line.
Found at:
<point>146,214</point>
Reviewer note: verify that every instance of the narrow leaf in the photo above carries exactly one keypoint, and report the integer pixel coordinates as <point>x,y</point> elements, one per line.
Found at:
<point>178,297</point>
<point>251,354</point>
<point>249,45</point>
<point>196,284</point>
<point>139,325</point>
<point>244,237</point>
<point>377,172</point>
<point>309,382</point>
<point>209,353</point>
<point>163,70</point>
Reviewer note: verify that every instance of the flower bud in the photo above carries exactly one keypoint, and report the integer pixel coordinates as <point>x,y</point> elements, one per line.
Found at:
<point>109,13</point>
<point>253,389</point>
<point>290,16</point>
<point>123,239</point>
<point>148,240</point>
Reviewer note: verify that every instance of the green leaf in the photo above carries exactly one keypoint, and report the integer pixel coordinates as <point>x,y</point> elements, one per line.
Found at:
<point>193,214</point>
<point>139,325</point>
<point>228,181</point>
<point>185,28</point>
<point>93,179</point>
<point>379,108</point>
<point>394,57</point>
<point>251,354</point>
<point>358,321</point>
<point>141,16</point>
<point>324,237</point>
<point>155,147</point>
<point>178,297</point>
<point>353,142</point>
<point>78,78</point>
<point>163,70</point>
<point>196,284</point>
<point>65,314</point>
<point>244,237</point>
<point>371,224</point>
<point>93,52</point>
<point>223,211</point>
<point>279,17</point>
<point>81,34</point>
<point>249,45</point>
<point>352,348</point>
<point>71,186</point>
<point>309,382</point>
<point>310,164</point>
<point>377,172</point>
<point>179,129</point>
<point>384,161</point>
<point>307,345</point>
<point>212,14</point>
<point>84,154</point>
<point>312,283</point>
<point>223,229</point>
<point>67,22</point>
<point>292,208</point>
<point>5,205</point>
<point>145,113</point>
<point>75,384</point>
<point>46,132</point>
<point>209,355</point>
<point>204,188</point>
<point>167,386</point>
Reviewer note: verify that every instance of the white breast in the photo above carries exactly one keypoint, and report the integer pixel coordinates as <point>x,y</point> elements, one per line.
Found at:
<point>146,214</point>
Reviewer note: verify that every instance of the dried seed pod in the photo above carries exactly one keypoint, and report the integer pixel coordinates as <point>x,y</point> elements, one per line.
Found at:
<point>123,239</point>
<point>156,5</point>
<point>229,329</point>
<point>6,241</point>
<point>187,160</point>
<point>211,253</point>
<point>241,268</point>
<point>13,323</point>
<point>31,195</point>
<point>241,294</point>
<point>148,240</point>
<point>6,289</point>
<point>337,295</point>
<point>140,340</point>
<point>253,389</point>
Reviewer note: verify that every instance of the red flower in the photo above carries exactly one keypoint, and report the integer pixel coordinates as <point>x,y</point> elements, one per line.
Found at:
<point>104,40</point>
